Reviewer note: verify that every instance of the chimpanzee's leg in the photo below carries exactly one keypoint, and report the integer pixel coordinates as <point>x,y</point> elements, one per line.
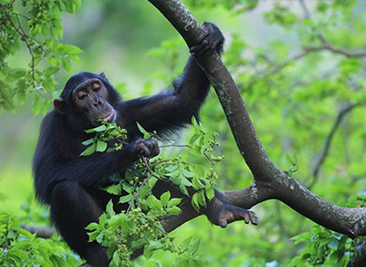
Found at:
<point>218,210</point>
<point>72,209</point>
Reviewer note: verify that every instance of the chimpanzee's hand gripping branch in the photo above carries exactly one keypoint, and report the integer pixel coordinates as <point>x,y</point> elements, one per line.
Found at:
<point>269,181</point>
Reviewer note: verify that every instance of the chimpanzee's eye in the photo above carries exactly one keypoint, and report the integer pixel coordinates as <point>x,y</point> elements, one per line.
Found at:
<point>96,87</point>
<point>82,95</point>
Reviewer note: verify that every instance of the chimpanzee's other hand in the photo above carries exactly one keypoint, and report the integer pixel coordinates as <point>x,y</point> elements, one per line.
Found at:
<point>146,148</point>
<point>228,213</point>
<point>221,213</point>
<point>211,38</point>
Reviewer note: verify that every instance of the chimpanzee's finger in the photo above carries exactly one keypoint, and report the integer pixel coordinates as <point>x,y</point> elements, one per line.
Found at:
<point>253,218</point>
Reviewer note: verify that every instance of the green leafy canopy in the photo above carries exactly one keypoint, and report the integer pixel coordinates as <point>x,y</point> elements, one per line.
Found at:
<point>34,26</point>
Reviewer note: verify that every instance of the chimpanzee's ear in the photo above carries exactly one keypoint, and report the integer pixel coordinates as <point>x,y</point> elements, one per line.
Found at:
<point>102,74</point>
<point>60,105</point>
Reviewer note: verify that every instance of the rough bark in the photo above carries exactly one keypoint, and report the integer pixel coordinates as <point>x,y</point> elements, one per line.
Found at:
<point>269,181</point>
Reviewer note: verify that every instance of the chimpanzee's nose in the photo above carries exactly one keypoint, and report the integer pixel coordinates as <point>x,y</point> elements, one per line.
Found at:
<point>97,102</point>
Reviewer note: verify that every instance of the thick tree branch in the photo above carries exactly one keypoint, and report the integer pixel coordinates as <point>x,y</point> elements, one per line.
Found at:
<point>40,231</point>
<point>225,87</point>
<point>270,182</point>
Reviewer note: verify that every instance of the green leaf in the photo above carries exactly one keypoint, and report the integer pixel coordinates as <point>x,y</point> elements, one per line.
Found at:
<point>144,192</point>
<point>98,129</point>
<point>51,70</point>
<point>116,259</point>
<point>126,198</point>
<point>25,233</point>
<point>66,62</point>
<point>152,181</point>
<point>88,142</point>
<point>109,209</point>
<point>114,189</point>
<point>90,150</point>
<point>174,174</point>
<point>102,219</point>
<point>165,198</point>
<point>154,203</point>
<point>193,139</point>
<point>199,171</point>
<point>201,198</point>
<point>148,253</point>
<point>197,184</point>
<point>128,188</point>
<point>92,226</point>
<point>72,49</point>
<point>183,189</point>
<point>146,134</point>
<point>210,191</point>
<point>195,203</point>
<point>100,238</point>
<point>136,244</point>
<point>174,202</point>
<point>193,246</point>
<point>155,244</point>
<point>101,146</point>
<point>187,173</point>
<point>186,242</point>
<point>174,210</point>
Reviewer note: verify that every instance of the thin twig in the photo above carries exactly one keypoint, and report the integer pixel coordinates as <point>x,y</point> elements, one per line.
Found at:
<point>345,52</point>
<point>325,46</point>
<point>307,16</point>
<point>305,9</point>
<point>311,49</point>
<point>173,145</point>
<point>325,150</point>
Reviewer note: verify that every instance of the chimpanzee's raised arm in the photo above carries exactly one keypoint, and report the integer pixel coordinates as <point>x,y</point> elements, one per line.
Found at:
<point>170,110</point>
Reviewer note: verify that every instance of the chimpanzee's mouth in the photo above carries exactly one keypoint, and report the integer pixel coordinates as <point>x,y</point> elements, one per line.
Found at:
<point>109,117</point>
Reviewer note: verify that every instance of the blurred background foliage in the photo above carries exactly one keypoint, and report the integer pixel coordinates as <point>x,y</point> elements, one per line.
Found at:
<point>300,66</point>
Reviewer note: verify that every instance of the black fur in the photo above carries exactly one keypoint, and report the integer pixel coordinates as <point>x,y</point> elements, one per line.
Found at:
<point>69,183</point>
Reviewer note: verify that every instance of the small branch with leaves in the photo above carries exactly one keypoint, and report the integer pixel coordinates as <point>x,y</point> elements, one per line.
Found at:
<point>148,211</point>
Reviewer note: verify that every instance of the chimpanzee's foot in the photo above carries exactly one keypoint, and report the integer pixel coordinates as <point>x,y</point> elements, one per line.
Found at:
<point>222,214</point>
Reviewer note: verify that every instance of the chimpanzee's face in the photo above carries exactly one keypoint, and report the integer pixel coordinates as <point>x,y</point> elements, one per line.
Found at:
<point>91,98</point>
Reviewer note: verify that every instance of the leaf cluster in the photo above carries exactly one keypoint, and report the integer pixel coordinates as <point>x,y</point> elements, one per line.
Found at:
<point>324,247</point>
<point>102,135</point>
<point>20,248</point>
<point>35,26</point>
<point>139,227</point>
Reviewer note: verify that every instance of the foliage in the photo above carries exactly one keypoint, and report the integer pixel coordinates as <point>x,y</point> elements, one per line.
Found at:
<point>239,5</point>
<point>139,226</point>
<point>102,134</point>
<point>20,248</point>
<point>37,26</point>
<point>294,94</point>
<point>168,53</point>
<point>324,248</point>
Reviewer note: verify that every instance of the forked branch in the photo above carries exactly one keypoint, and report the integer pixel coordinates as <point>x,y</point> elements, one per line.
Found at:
<point>269,181</point>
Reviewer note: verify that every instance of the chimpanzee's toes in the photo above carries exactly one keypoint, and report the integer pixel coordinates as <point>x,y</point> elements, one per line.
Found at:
<point>228,214</point>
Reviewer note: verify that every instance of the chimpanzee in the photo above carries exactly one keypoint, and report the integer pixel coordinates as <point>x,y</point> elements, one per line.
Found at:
<point>69,183</point>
